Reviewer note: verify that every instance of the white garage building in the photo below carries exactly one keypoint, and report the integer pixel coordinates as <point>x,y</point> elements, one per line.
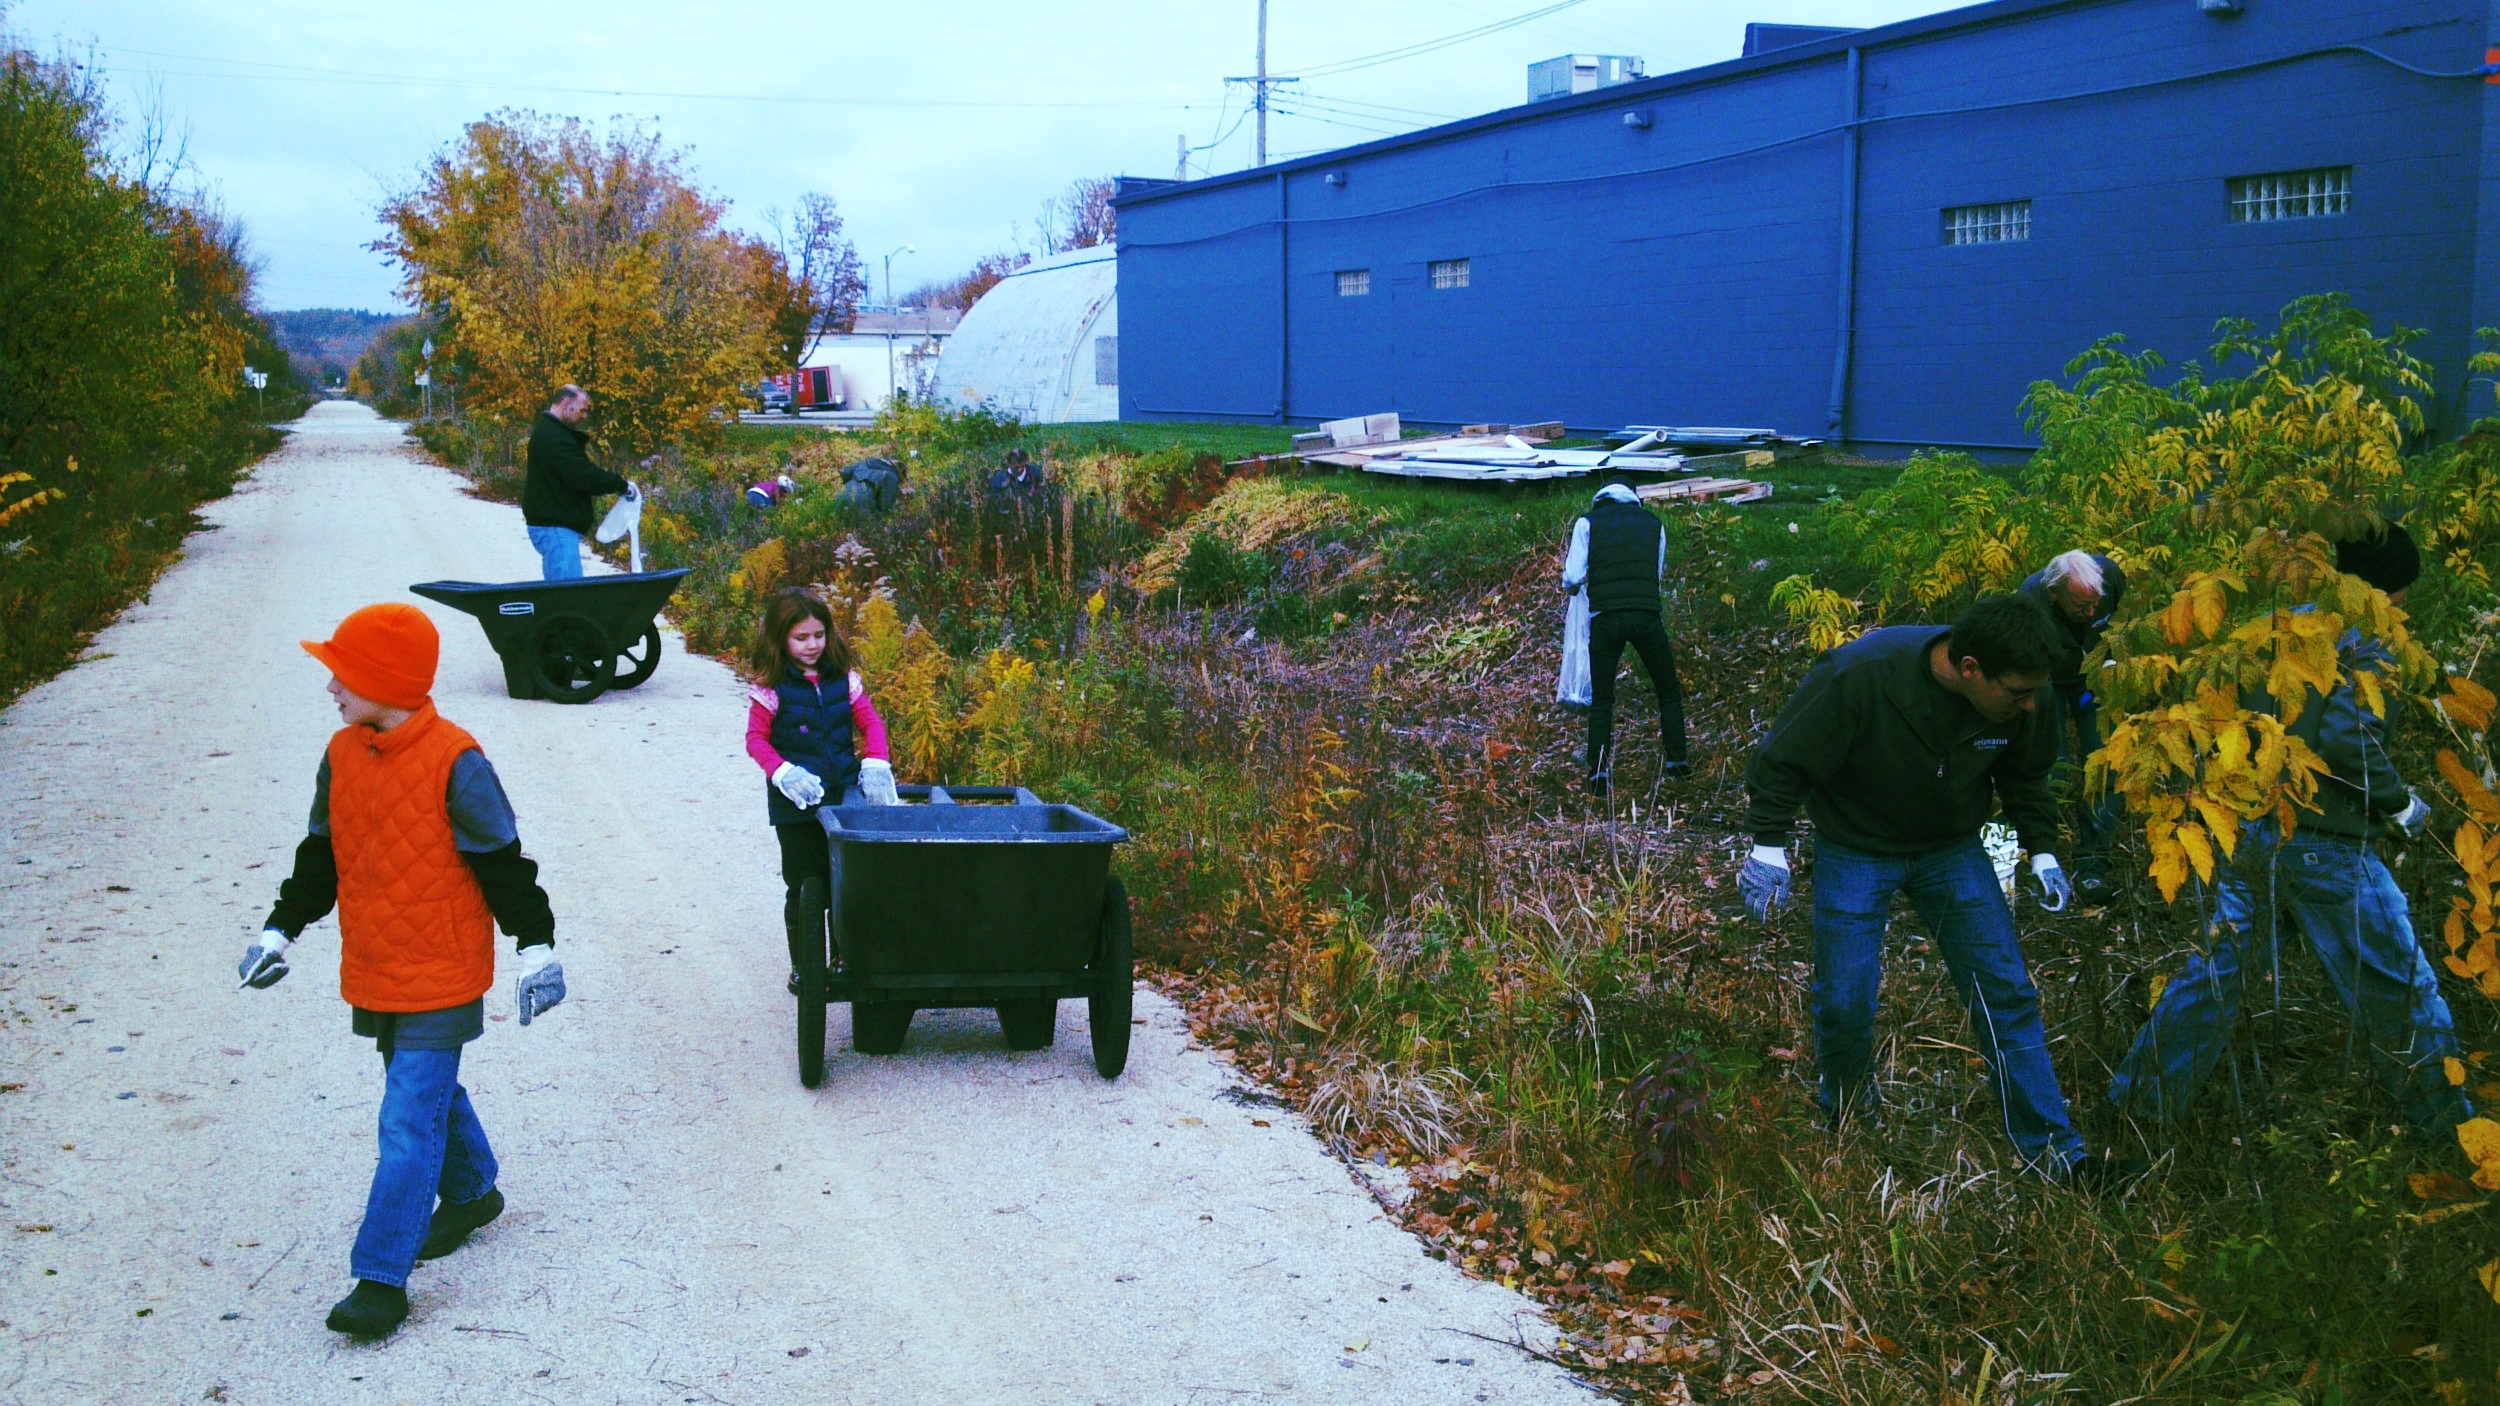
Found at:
<point>1043,345</point>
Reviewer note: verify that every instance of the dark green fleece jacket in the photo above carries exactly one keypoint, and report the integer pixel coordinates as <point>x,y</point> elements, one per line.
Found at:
<point>1888,761</point>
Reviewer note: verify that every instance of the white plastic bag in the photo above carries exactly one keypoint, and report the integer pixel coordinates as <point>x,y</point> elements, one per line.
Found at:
<point>1571,687</point>
<point>625,520</point>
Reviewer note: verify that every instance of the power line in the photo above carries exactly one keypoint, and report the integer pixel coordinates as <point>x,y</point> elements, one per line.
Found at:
<point>305,73</point>
<point>1427,46</point>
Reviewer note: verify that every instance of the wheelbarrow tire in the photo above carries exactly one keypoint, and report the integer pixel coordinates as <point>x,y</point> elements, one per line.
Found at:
<point>1030,1024</point>
<point>639,662</point>
<point>572,659</point>
<point>807,958</point>
<point>878,1027</point>
<point>1114,999</point>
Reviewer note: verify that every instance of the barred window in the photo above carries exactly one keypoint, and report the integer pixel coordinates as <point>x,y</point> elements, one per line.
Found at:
<point>1354,283</point>
<point>2292,195</point>
<point>1106,361</point>
<point>1449,273</point>
<point>1988,224</point>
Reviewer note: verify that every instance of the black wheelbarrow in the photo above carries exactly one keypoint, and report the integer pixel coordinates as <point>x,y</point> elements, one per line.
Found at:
<point>567,641</point>
<point>941,904</point>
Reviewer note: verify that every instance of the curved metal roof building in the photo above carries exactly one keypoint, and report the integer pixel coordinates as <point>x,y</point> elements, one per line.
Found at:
<point>1042,346</point>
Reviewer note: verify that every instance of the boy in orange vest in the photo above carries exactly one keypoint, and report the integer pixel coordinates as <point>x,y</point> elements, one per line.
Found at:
<point>413,842</point>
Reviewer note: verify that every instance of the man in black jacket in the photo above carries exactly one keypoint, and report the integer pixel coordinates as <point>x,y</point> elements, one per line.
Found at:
<point>2079,592</point>
<point>555,497</point>
<point>1619,550</point>
<point>1900,745</point>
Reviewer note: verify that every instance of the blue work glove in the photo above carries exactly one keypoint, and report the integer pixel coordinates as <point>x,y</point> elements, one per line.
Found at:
<point>1764,881</point>
<point>264,965</point>
<point>2055,891</point>
<point>2415,817</point>
<point>805,788</point>
<point>540,986</point>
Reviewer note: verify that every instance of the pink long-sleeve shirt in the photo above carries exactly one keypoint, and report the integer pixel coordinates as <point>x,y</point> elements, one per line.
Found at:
<point>762,703</point>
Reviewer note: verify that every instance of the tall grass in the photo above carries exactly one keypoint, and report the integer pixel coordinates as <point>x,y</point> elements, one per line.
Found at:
<point>1363,861</point>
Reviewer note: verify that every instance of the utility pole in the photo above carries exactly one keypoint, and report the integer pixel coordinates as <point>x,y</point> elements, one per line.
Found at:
<point>1260,84</point>
<point>1180,163</point>
<point>1261,88</point>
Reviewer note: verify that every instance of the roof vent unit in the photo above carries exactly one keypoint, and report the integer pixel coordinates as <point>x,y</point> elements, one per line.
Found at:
<point>1763,38</point>
<point>2223,8</point>
<point>1580,73</point>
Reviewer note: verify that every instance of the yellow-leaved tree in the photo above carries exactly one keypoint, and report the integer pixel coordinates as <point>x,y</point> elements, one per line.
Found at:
<point>2224,500</point>
<point>549,254</point>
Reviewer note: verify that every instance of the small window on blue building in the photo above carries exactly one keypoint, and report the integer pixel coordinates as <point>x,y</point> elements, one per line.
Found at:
<point>1988,224</point>
<point>1354,283</point>
<point>1106,361</point>
<point>1449,273</point>
<point>2291,195</point>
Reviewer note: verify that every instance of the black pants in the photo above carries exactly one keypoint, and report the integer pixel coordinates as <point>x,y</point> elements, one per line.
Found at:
<point>1609,632</point>
<point>803,854</point>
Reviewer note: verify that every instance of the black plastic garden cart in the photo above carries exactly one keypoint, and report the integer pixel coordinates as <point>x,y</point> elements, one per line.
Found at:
<point>940,904</point>
<point>567,641</point>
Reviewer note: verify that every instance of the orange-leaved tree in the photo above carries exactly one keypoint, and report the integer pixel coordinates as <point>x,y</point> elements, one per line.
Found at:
<point>550,254</point>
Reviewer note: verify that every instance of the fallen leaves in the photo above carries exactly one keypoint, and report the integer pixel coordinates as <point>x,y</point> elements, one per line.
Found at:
<point>2480,1137</point>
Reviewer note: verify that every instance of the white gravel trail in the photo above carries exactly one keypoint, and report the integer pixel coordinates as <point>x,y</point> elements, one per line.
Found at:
<point>182,1166</point>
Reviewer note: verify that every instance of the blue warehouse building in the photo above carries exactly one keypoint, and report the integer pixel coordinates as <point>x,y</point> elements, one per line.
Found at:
<point>1883,235</point>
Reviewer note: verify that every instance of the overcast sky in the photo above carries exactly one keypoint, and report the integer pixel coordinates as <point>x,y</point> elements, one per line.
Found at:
<point>939,125</point>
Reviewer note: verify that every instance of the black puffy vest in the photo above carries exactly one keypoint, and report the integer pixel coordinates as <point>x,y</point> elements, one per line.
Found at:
<point>1623,556</point>
<point>812,728</point>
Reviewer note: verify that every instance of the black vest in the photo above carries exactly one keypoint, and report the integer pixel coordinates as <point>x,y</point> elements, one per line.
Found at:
<point>1623,556</point>
<point>812,729</point>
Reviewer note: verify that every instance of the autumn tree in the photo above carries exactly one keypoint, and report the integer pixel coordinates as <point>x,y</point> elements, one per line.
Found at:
<point>811,279</point>
<point>126,319</point>
<point>547,253</point>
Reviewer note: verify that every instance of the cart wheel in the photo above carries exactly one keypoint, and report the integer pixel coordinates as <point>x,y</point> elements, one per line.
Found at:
<point>878,1027</point>
<point>1115,983</point>
<point>637,663</point>
<point>1030,1024</point>
<point>807,958</point>
<point>572,660</point>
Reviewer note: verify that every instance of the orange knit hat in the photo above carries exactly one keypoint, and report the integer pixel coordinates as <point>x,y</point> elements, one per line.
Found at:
<point>383,652</point>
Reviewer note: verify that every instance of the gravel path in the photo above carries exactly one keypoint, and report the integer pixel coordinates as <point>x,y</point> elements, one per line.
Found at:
<point>184,1166</point>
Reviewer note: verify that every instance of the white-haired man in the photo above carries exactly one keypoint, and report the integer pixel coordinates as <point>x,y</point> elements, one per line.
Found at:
<point>2079,591</point>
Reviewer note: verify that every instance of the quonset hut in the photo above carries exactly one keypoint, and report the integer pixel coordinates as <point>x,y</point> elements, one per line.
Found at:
<point>1043,345</point>
<point>1883,235</point>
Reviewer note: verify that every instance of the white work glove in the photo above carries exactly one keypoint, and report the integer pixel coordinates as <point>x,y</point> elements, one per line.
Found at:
<point>264,965</point>
<point>2414,818</point>
<point>805,788</point>
<point>540,986</point>
<point>1764,881</point>
<point>876,782</point>
<point>2055,891</point>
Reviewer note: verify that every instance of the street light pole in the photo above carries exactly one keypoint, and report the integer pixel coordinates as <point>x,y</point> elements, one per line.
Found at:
<point>889,318</point>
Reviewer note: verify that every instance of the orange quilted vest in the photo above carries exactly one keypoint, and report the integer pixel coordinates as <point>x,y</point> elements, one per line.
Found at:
<point>415,933</point>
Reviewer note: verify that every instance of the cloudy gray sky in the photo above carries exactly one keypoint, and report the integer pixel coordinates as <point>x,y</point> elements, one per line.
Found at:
<point>940,125</point>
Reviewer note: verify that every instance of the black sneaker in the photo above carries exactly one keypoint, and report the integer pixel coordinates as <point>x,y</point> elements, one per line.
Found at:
<point>370,1310</point>
<point>1675,771</point>
<point>2095,891</point>
<point>793,985</point>
<point>453,1222</point>
<point>1597,783</point>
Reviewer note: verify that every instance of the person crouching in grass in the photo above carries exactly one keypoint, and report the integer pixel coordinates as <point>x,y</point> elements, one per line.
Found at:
<point>412,841</point>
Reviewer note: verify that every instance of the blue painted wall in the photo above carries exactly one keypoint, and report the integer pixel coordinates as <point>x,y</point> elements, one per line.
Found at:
<point>1691,271</point>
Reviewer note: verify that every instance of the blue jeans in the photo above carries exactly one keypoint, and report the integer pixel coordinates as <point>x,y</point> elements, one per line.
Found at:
<point>431,1145</point>
<point>2357,922</point>
<point>1955,891</point>
<point>559,552</point>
